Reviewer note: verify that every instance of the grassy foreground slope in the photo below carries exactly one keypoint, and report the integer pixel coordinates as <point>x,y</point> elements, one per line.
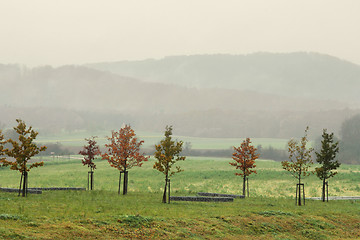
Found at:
<point>104,215</point>
<point>270,212</point>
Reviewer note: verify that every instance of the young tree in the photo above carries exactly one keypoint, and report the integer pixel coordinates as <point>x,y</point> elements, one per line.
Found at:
<point>123,153</point>
<point>244,157</point>
<point>300,161</point>
<point>90,151</point>
<point>167,154</point>
<point>22,150</point>
<point>326,157</point>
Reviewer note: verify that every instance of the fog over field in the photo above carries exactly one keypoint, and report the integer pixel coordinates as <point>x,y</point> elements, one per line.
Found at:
<point>210,69</point>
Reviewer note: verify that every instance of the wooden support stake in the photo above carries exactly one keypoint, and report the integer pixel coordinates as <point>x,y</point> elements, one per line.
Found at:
<point>169,191</point>
<point>119,183</point>
<point>125,182</point>
<point>21,179</point>
<point>298,196</point>
<point>327,191</point>
<point>247,186</point>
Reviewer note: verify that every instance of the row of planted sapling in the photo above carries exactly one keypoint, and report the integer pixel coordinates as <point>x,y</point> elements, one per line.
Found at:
<point>301,160</point>
<point>123,152</point>
<point>299,164</point>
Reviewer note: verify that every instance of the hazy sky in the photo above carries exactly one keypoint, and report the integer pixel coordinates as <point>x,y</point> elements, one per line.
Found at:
<point>39,32</point>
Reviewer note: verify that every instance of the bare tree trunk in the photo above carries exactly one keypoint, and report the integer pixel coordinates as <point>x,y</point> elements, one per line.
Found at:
<point>164,195</point>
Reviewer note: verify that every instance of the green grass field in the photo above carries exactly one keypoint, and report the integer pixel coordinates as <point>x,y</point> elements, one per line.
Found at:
<point>152,138</point>
<point>200,175</point>
<point>269,213</point>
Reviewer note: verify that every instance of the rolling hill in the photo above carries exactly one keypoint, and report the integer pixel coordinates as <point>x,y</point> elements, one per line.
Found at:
<point>299,74</point>
<point>259,95</point>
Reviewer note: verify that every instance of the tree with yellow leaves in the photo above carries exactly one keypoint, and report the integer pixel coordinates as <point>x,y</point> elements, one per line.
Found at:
<point>22,151</point>
<point>300,162</point>
<point>167,154</point>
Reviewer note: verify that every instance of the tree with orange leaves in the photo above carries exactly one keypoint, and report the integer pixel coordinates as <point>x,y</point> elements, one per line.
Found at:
<point>22,150</point>
<point>244,157</point>
<point>89,152</point>
<point>123,153</point>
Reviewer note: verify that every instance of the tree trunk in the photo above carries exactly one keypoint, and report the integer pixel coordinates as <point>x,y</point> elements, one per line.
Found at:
<point>125,182</point>
<point>24,189</point>
<point>91,179</point>
<point>164,195</point>
<point>244,184</point>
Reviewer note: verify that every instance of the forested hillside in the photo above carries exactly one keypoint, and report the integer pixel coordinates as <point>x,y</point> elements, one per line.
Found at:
<point>293,74</point>
<point>77,97</point>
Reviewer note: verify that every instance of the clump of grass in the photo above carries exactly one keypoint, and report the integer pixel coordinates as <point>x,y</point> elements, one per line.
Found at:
<point>312,234</point>
<point>275,213</point>
<point>318,224</point>
<point>5,216</point>
<point>135,221</point>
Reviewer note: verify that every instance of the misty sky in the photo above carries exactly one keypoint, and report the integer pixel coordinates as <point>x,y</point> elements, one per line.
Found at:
<point>40,32</point>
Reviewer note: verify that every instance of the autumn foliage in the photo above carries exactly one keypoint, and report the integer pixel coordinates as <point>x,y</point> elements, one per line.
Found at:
<point>22,151</point>
<point>123,151</point>
<point>244,157</point>
<point>167,154</point>
<point>300,160</point>
<point>90,151</point>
